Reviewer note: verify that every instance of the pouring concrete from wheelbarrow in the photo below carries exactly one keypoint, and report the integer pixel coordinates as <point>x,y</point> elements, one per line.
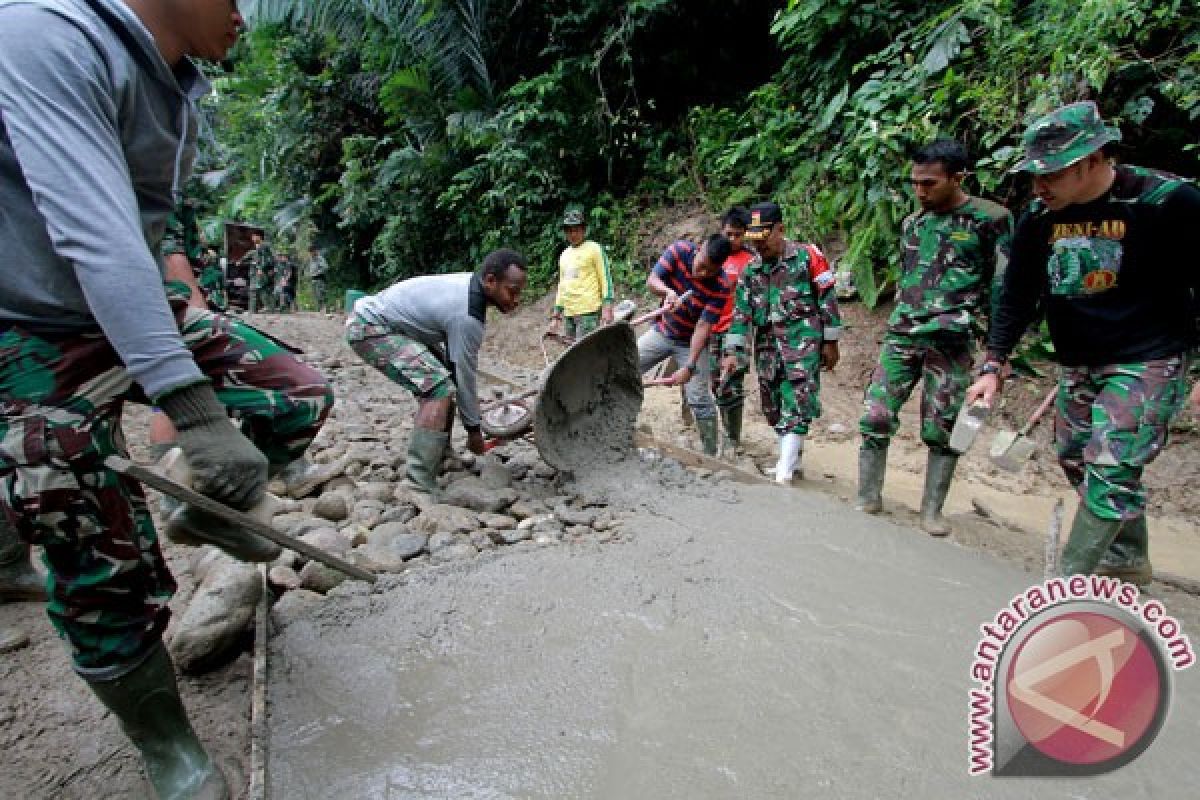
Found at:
<point>587,410</point>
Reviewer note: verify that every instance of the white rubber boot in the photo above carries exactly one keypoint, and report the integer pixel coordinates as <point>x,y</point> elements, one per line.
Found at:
<point>791,445</point>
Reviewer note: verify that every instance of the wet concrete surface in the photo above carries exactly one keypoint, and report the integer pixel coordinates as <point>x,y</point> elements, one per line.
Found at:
<point>777,647</point>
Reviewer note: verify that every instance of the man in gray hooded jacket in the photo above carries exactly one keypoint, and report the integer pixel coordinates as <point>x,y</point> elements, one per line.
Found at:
<point>97,135</point>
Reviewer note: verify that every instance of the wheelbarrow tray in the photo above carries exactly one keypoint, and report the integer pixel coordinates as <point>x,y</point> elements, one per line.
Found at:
<point>586,412</point>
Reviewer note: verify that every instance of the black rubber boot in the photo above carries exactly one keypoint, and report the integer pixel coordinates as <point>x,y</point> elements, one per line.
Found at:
<point>872,466</point>
<point>1128,557</point>
<point>1089,540</point>
<point>146,702</point>
<point>939,472</point>
<point>425,451</point>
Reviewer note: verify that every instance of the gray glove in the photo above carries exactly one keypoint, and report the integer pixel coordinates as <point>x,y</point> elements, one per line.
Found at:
<point>225,465</point>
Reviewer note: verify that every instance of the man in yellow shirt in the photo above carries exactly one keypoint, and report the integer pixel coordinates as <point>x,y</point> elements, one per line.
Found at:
<point>584,285</point>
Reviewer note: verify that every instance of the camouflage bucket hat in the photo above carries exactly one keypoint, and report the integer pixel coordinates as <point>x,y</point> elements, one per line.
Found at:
<point>573,216</point>
<point>1064,136</point>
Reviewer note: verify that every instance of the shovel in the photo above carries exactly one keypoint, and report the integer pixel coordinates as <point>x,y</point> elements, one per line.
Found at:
<point>1011,450</point>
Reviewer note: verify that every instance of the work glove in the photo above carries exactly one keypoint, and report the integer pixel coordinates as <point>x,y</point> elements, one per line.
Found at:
<point>225,465</point>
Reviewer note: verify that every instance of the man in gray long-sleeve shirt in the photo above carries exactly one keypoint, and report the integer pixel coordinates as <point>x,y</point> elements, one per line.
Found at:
<point>98,125</point>
<point>424,333</point>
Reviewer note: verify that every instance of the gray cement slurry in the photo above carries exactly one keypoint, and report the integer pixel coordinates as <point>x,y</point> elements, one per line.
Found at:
<point>777,647</point>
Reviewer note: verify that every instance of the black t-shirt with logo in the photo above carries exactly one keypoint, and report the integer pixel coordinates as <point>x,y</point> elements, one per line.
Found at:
<point>1119,277</point>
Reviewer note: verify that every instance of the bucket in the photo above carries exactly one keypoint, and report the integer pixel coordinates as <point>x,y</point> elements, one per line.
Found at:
<point>352,296</point>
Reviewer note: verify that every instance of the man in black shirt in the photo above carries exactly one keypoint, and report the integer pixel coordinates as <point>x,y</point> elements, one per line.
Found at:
<point>1109,253</point>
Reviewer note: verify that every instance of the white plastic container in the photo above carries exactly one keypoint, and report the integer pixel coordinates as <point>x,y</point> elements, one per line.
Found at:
<point>967,426</point>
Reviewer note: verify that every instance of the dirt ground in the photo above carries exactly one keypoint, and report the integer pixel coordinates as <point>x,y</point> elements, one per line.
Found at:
<point>60,743</point>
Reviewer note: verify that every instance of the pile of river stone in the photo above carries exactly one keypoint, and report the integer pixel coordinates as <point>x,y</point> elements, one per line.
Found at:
<point>363,514</point>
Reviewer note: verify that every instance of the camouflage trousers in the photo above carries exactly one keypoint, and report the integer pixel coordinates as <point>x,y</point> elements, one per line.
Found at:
<point>580,325</point>
<point>1112,422</point>
<point>318,287</point>
<point>61,398</point>
<point>789,383</point>
<point>404,360</point>
<point>730,393</point>
<point>944,363</point>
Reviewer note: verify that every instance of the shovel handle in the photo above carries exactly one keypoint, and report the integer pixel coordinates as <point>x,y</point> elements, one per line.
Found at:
<point>1040,412</point>
<point>658,312</point>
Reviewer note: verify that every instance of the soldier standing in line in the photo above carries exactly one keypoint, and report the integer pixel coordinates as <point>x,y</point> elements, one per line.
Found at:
<point>951,251</point>
<point>1110,252</point>
<point>261,262</point>
<point>787,308</point>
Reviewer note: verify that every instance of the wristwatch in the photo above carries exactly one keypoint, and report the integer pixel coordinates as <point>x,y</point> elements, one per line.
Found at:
<point>990,368</point>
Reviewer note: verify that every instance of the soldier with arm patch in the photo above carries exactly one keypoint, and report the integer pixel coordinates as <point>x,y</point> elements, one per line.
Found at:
<point>786,309</point>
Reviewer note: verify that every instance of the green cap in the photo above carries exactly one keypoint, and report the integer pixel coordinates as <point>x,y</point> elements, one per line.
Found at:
<point>1064,136</point>
<point>573,216</point>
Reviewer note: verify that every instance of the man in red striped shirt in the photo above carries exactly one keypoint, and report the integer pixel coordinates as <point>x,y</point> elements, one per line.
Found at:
<point>694,291</point>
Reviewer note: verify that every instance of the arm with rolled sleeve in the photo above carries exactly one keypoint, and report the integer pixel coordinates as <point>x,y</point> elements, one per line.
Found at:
<point>62,117</point>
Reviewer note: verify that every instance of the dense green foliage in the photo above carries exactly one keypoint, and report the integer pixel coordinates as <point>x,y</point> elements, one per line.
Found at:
<point>412,136</point>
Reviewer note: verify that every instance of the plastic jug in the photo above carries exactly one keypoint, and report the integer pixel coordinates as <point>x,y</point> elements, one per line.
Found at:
<point>967,426</point>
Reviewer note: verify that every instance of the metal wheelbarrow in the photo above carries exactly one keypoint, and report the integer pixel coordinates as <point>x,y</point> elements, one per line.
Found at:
<point>585,406</point>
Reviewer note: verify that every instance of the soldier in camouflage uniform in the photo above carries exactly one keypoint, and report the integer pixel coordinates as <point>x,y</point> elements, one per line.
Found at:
<point>261,262</point>
<point>950,253</point>
<point>1109,251</point>
<point>212,283</point>
<point>90,169</point>
<point>786,307</point>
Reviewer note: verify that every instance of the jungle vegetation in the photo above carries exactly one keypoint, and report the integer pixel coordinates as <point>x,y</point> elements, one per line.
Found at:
<point>412,136</point>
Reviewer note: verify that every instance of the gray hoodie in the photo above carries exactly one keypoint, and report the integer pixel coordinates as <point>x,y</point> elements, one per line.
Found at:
<point>97,136</point>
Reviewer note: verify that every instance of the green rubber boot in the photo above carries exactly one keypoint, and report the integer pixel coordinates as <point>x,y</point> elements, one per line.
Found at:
<point>1089,540</point>
<point>872,466</point>
<point>425,451</point>
<point>146,702</point>
<point>708,434</point>
<point>1128,557</point>
<point>731,421</point>
<point>18,578</point>
<point>939,472</point>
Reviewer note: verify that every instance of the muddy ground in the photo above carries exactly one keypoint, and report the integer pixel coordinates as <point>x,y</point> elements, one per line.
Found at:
<point>58,742</point>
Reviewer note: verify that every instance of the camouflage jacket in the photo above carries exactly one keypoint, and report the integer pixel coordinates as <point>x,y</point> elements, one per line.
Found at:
<point>261,262</point>
<point>790,299</point>
<point>948,265</point>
